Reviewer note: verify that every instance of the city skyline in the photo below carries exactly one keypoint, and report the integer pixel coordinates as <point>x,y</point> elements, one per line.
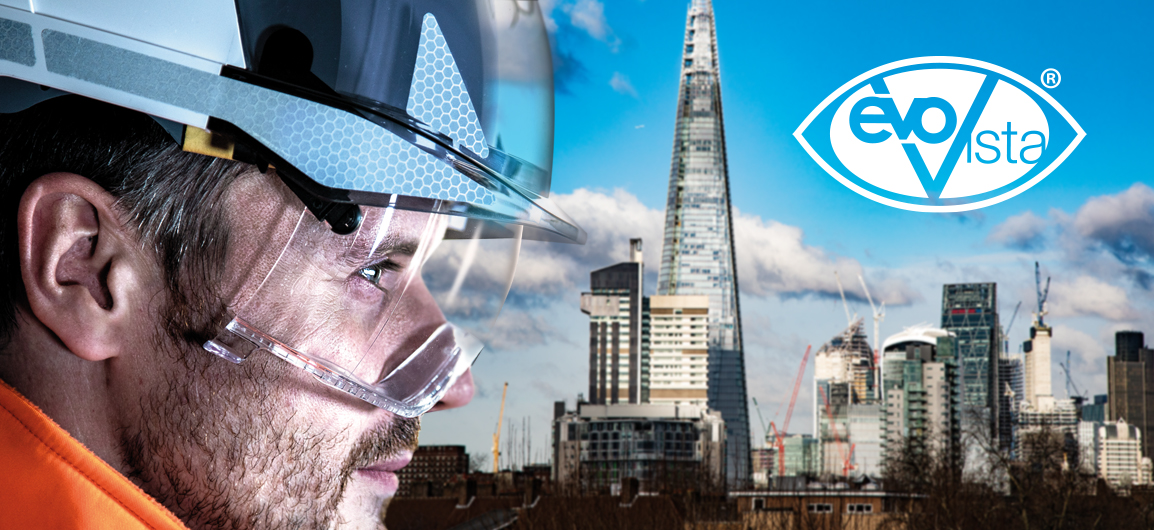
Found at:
<point>1084,223</point>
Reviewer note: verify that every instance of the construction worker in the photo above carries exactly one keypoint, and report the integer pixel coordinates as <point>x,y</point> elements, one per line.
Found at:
<point>235,236</point>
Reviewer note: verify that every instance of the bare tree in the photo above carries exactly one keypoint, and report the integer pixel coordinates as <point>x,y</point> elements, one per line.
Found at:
<point>1043,489</point>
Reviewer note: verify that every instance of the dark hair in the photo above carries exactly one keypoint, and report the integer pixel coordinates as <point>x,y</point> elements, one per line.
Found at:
<point>171,197</point>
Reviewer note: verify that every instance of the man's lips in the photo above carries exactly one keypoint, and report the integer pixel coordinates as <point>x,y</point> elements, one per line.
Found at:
<point>384,475</point>
<point>391,465</point>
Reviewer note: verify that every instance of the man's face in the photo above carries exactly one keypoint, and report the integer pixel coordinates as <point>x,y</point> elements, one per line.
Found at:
<point>263,444</point>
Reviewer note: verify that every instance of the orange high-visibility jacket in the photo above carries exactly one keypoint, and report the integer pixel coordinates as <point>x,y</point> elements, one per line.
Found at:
<point>48,479</point>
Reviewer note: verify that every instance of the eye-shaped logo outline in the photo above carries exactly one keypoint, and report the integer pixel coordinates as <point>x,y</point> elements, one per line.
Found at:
<point>1066,128</point>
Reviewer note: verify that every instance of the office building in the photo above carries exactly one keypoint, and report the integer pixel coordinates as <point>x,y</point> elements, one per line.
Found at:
<point>866,433</point>
<point>1039,395</point>
<point>848,358</point>
<point>1060,421</point>
<point>1130,387</point>
<point>970,312</point>
<point>679,350</point>
<point>1097,411</point>
<point>801,456</point>
<point>697,256</point>
<point>1011,388</point>
<point>922,395</point>
<point>666,447</point>
<point>1088,446</point>
<point>832,416</point>
<point>430,469</point>
<point>763,460</point>
<point>1128,345</point>
<point>614,306</point>
<point>1120,460</point>
<point>843,377</point>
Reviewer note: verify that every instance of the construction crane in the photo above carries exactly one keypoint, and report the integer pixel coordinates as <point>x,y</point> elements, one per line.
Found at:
<point>1069,379</point>
<point>1042,294</point>
<point>779,435</point>
<point>879,316</point>
<point>1006,336</point>
<point>497,435</point>
<point>847,458</point>
<point>844,304</point>
<point>765,429</point>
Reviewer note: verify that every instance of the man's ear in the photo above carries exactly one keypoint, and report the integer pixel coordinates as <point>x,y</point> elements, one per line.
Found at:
<point>75,260</point>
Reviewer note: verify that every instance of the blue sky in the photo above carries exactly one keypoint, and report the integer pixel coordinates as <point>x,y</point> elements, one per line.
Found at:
<point>1090,223</point>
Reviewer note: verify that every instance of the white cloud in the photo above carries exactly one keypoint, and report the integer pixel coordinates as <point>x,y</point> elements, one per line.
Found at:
<point>1024,231</point>
<point>589,15</point>
<point>610,220</point>
<point>1089,296</point>
<point>773,259</point>
<point>518,330</point>
<point>621,85</point>
<point>1123,223</point>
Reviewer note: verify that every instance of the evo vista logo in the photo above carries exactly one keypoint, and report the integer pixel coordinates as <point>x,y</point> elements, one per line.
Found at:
<point>939,134</point>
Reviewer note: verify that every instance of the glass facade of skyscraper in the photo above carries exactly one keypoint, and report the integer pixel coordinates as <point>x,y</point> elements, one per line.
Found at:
<point>697,255</point>
<point>970,310</point>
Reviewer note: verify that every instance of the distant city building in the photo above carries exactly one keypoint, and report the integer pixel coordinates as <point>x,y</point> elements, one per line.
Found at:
<point>1130,386</point>
<point>614,306</point>
<point>832,414</point>
<point>848,358</point>
<point>1098,410</point>
<point>430,469</point>
<point>867,432</point>
<point>922,396</point>
<point>697,256</point>
<point>1128,345</point>
<point>1059,420</point>
<point>1120,460</point>
<point>1039,391</point>
<point>1088,446</point>
<point>843,376</point>
<point>970,312</point>
<point>763,459</point>
<point>1011,388</point>
<point>679,350</point>
<point>663,446</point>
<point>801,456</point>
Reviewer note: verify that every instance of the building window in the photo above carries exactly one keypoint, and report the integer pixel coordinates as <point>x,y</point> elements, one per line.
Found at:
<point>860,508</point>
<point>820,508</point>
<point>758,504</point>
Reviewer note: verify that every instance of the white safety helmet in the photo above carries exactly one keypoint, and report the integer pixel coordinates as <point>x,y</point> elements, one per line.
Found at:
<point>420,131</point>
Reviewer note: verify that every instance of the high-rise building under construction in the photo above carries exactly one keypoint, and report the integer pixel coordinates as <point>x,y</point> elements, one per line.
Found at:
<point>697,257</point>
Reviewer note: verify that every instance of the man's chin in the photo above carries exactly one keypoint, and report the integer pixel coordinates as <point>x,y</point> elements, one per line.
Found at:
<point>365,498</point>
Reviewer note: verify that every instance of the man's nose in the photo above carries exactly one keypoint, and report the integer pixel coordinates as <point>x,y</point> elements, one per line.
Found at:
<point>459,395</point>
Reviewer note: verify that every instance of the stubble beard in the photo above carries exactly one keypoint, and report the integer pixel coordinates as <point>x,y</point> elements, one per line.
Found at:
<point>212,445</point>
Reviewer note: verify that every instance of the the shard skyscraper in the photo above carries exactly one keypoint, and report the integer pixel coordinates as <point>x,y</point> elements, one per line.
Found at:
<point>697,256</point>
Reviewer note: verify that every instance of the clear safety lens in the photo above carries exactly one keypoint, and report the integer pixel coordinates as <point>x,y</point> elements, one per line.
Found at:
<point>365,312</point>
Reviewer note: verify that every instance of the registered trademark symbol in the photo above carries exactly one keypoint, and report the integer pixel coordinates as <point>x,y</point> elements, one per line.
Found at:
<point>1051,78</point>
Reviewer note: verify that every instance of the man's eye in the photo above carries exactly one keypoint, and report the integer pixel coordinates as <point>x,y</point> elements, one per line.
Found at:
<point>378,274</point>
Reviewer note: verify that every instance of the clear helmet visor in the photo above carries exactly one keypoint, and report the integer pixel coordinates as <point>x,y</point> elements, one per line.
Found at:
<point>462,90</point>
<point>365,312</point>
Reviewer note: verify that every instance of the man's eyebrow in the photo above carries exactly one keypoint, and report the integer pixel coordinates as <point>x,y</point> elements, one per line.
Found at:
<point>389,247</point>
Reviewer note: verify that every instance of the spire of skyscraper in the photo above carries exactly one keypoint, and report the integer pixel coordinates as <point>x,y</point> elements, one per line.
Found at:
<point>697,256</point>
